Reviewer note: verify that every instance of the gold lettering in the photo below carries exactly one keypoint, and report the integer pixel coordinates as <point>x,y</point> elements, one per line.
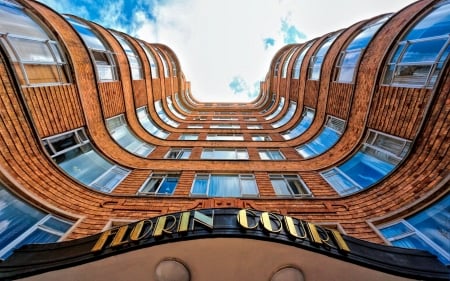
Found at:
<point>117,241</point>
<point>135,234</point>
<point>323,234</point>
<point>342,245</point>
<point>291,229</point>
<point>242,219</point>
<point>161,225</point>
<point>102,240</point>
<point>184,222</point>
<point>267,224</point>
<point>315,237</point>
<point>203,219</point>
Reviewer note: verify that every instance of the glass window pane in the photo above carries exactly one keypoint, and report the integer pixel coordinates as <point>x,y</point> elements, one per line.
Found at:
<point>15,21</point>
<point>280,187</point>
<point>200,186</point>
<point>249,187</point>
<point>395,230</point>
<point>32,51</point>
<point>15,217</point>
<point>83,163</point>
<point>57,225</point>
<point>168,186</point>
<point>434,222</point>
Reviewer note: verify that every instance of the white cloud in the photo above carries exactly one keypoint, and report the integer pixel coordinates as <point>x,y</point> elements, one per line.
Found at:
<point>217,41</point>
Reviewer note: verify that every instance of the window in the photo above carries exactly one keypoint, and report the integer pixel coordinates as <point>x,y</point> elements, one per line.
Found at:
<point>225,126</point>
<point>23,224</point>
<point>287,116</point>
<point>180,104</point>
<point>225,137</point>
<point>269,106</point>
<point>133,58</point>
<point>221,118</point>
<point>119,131</point>
<point>163,60</point>
<point>250,119</point>
<point>100,52</point>
<point>224,154</point>
<point>36,56</point>
<point>421,54</point>
<point>151,58</point>
<point>299,60</point>
<point>73,153</point>
<point>277,111</point>
<point>148,124</point>
<point>427,230</point>
<point>301,126</point>
<point>178,153</point>
<point>378,156</point>
<point>189,137</point>
<point>289,185</point>
<point>315,64</point>
<point>329,135</point>
<point>277,65</point>
<point>173,109</point>
<point>286,62</point>
<point>195,126</point>
<point>224,185</point>
<point>159,184</point>
<point>261,138</point>
<point>254,127</point>
<point>174,66</point>
<point>271,154</point>
<point>162,114</point>
<point>349,58</point>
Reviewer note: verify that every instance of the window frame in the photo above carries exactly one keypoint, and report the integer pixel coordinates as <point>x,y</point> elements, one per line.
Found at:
<point>179,153</point>
<point>82,140</point>
<point>163,177</point>
<point>268,154</point>
<point>236,153</point>
<point>58,56</point>
<point>285,178</point>
<point>241,178</point>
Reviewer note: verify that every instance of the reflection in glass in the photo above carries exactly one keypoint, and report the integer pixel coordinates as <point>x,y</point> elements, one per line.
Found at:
<point>378,156</point>
<point>224,185</point>
<point>148,124</point>
<point>427,230</point>
<point>329,135</point>
<point>422,53</point>
<point>21,224</point>
<point>74,154</point>
<point>119,131</point>
<point>301,126</point>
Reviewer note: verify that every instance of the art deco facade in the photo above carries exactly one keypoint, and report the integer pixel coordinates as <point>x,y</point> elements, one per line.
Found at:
<point>350,132</point>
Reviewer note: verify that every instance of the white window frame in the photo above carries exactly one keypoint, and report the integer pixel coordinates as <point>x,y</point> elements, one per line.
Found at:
<point>268,156</point>
<point>188,137</point>
<point>225,137</point>
<point>237,153</point>
<point>179,153</point>
<point>261,138</point>
<point>242,177</point>
<point>286,178</point>
<point>38,225</point>
<point>163,177</point>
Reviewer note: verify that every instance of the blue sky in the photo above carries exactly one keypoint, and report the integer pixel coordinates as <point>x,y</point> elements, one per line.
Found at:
<point>225,46</point>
